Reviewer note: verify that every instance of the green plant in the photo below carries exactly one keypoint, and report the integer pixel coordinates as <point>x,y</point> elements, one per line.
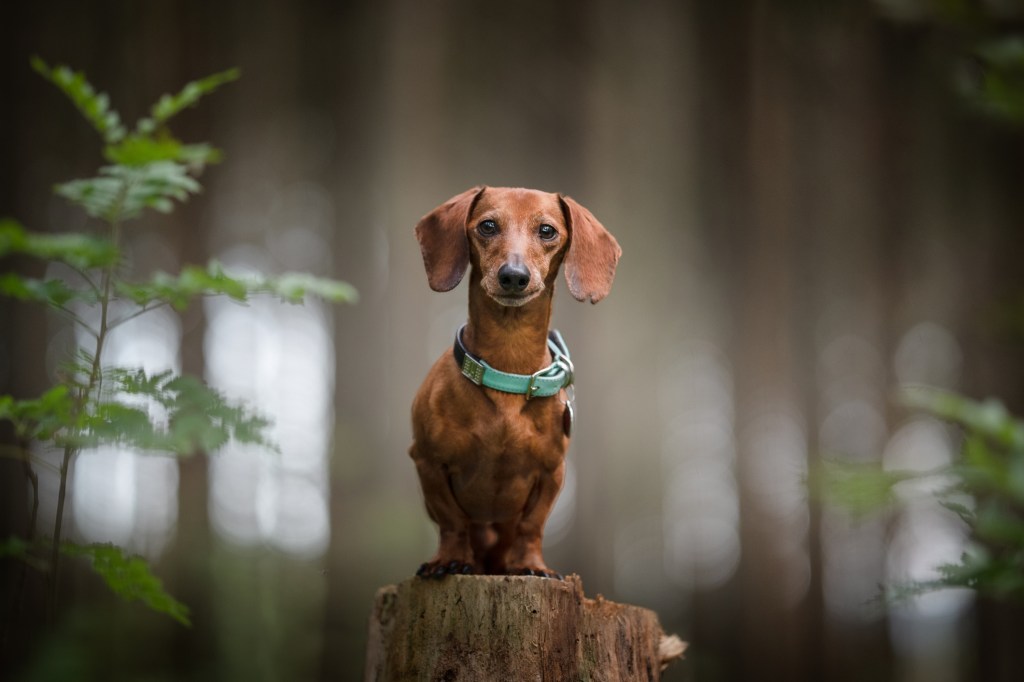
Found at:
<point>992,82</point>
<point>95,403</point>
<point>986,493</point>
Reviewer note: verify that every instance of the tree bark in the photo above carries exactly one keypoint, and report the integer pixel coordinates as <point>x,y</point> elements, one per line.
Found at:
<point>480,628</point>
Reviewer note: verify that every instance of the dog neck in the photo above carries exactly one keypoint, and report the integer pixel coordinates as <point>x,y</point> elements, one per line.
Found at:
<point>511,339</point>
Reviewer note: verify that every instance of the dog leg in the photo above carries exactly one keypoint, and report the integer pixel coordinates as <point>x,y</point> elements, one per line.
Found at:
<point>454,553</point>
<point>524,556</point>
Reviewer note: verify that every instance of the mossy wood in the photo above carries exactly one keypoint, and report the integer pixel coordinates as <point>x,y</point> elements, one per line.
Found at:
<point>482,628</point>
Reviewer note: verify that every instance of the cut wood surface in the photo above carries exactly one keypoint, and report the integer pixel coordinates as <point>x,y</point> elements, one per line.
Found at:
<point>508,628</point>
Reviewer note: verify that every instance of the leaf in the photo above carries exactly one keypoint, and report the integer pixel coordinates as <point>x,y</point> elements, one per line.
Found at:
<point>991,472</point>
<point>966,514</point>
<point>139,150</point>
<point>170,105</point>
<point>995,84</point>
<point>42,417</point>
<point>78,250</point>
<point>983,571</point>
<point>101,197</point>
<point>859,488</point>
<point>123,192</point>
<point>55,292</point>
<point>136,382</point>
<point>998,526</point>
<point>1015,479</point>
<point>199,155</point>
<point>94,106</point>
<point>195,281</point>
<point>129,577</point>
<point>989,418</point>
<point>181,289</point>
<point>199,419</point>
<point>977,570</point>
<point>294,286</point>
<point>112,422</point>
<point>74,371</point>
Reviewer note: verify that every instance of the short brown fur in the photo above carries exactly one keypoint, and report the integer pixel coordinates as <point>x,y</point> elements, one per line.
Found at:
<point>491,463</point>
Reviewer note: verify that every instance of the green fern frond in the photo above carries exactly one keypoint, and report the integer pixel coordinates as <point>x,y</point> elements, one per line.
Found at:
<point>94,106</point>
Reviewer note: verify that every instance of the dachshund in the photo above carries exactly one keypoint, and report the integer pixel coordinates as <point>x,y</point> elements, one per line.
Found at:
<point>492,420</point>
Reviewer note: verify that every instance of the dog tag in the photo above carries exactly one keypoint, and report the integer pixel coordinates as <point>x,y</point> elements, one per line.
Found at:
<point>568,419</point>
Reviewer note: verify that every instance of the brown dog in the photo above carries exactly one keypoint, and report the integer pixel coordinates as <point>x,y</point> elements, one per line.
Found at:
<point>491,461</point>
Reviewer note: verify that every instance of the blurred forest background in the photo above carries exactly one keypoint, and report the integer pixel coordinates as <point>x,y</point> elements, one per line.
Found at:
<point>813,210</point>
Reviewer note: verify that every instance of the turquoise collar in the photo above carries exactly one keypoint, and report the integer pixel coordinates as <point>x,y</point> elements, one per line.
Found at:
<point>541,384</point>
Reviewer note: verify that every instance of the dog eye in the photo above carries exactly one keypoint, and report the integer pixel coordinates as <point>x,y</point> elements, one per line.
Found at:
<point>547,233</point>
<point>487,228</point>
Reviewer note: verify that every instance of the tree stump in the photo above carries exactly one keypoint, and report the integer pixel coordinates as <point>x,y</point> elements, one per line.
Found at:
<point>510,628</point>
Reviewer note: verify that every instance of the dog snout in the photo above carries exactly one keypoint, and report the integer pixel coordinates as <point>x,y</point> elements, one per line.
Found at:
<point>513,277</point>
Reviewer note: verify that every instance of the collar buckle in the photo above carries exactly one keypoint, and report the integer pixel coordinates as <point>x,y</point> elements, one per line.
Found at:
<point>531,385</point>
<point>562,365</point>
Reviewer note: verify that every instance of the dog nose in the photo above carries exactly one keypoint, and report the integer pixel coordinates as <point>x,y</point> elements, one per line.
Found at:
<point>513,277</point>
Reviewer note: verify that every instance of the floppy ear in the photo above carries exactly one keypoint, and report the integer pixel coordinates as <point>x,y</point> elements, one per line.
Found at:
<point>593,253</point>
<point>443,241</point>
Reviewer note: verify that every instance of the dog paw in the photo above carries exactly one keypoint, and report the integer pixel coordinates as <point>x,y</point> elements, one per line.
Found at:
<point>438,570</point>
<point>541,573</point>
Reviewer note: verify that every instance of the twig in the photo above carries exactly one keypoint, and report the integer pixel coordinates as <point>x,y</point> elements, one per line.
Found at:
<point>141,311</point>
<point>33,478</point>
<point>95,384</point>
<point>88,280</point>
<point>69,451</point>
<point>76,319</point>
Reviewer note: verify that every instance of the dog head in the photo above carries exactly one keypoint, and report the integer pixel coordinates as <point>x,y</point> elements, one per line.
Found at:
<point>517,239</point>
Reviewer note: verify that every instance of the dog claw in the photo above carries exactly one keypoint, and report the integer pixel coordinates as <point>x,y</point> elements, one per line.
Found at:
<point>438,571</point>
<point>542,573</point>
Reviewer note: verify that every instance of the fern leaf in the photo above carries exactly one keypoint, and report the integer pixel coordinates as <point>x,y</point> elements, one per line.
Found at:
<point>43,417</point>
<point>170,105</point>
<point>79,250</point>
<point>94,106</point>
<point>139,150</point>
<point>293,287</point>
<point>989,418</point>
<point>195,281</point>
<point>199,418</point>
<point>54,292</point>
<point>123,192</point>
<point>129,577</point>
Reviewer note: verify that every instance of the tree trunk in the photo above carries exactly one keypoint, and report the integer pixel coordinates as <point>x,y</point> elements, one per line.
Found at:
<point>482,628</point>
